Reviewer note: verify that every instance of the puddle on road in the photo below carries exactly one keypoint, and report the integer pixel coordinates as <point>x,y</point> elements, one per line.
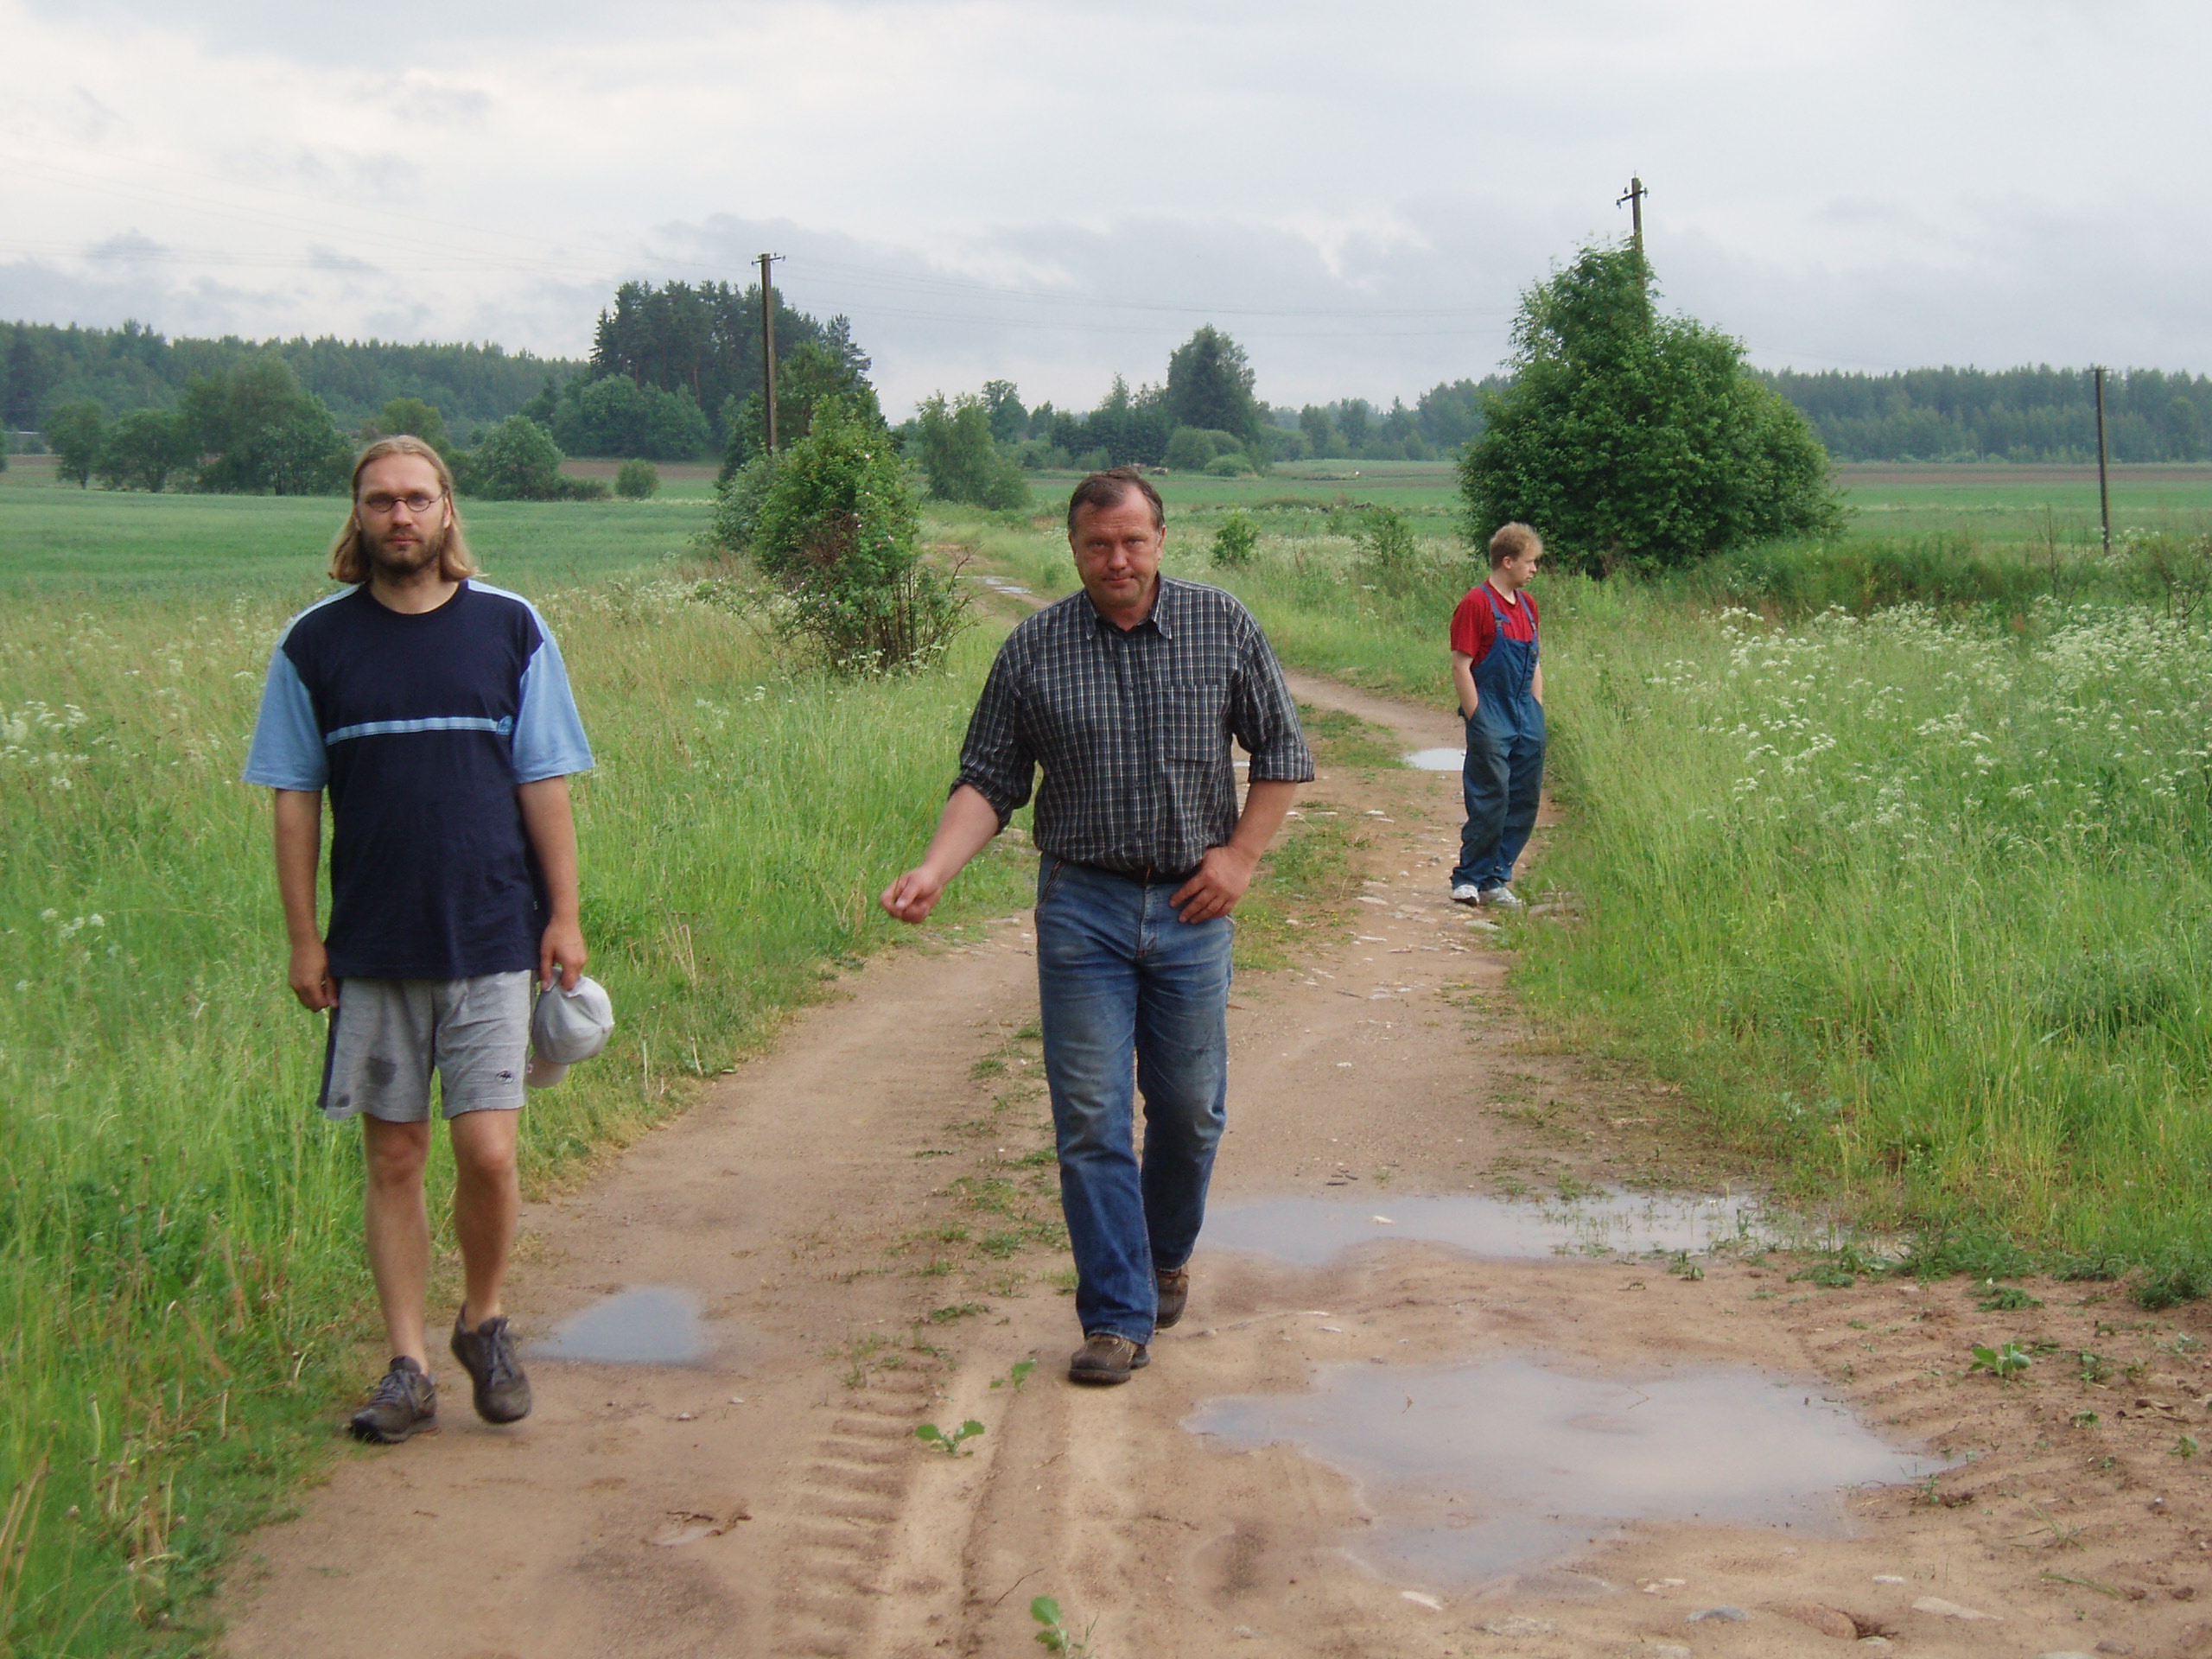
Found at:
<point>650,1325</point>
<point>1436,759</point>
<point>1001,585</point>
<point>1309,1231</point>
<point>1476,1472</point>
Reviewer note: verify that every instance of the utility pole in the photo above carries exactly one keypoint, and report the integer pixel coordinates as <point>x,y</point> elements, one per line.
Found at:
<point>2104,483</point>
<point>1634,197</point>
<point>768,341</point>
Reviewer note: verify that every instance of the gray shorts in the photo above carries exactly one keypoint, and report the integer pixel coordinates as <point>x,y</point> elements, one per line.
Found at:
<point>388,1035</point>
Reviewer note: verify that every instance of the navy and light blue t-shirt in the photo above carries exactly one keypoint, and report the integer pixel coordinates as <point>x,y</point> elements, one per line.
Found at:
<point>420,728</point>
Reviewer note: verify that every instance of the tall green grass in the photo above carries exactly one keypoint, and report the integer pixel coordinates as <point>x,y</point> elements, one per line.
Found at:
<point>1911,901</point>
<point>181,1273</point>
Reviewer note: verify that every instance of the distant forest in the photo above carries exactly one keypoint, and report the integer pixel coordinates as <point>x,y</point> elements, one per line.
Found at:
<point>2022,415</point>
<point>43,367</point>
<point>690,355</point>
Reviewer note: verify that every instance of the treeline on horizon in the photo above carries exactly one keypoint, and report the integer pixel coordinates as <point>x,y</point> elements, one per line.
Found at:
<point>675,373</point>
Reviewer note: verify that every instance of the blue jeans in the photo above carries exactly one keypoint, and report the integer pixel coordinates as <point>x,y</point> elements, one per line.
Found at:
<point>1133,999</point>
<point>1503,781</point>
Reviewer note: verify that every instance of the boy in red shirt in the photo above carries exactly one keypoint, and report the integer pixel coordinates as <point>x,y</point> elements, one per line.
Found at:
<point>1500,688</point>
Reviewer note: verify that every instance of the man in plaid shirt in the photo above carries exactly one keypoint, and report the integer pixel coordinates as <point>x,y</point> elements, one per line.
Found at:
<point>1127,694</point>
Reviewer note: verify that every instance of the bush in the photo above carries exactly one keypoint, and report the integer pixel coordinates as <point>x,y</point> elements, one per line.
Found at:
<point>954,444</point>
<point>1389,556</point>
<point>1237,543</point>
<point>635,480</point>
<point>831,521</point>
<point>1189,450</point>
<point>1228,466</point>
<point>519,461</point>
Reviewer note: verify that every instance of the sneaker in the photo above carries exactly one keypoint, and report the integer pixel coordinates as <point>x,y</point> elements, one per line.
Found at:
<point>488,1352</point>
<point>1466,893</point>
<point>405,1403</point>
<point>1105,1357</point>
<point>1175,1291</point>
<point>1500,896</point>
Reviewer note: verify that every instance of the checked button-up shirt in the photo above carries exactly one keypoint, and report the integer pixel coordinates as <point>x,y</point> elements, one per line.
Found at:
<point>1133,726</point>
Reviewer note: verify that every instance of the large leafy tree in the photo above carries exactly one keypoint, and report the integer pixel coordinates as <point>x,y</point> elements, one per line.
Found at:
<point>76,432</point>
<point>1631,438</point>
<point>1210,386</point>
<point>144,450</point>
<point>255,431</point>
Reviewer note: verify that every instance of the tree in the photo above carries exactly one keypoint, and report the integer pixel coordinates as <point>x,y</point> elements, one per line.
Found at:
<point>963,460</point>
<point>812,375</point>
<point>144,450</point>
<point>412,418</point>
<point>617,416</point>
<point>76,432</point>
<point>255,431</point>
<point>517,461</point>
<point>1210,386</point>
<point>1002,403</point>
<point>1320,431</point>
<point>832,522</point>
<point>1629,437</point>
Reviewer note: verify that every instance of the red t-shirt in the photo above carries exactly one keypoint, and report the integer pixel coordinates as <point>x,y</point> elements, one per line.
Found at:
<point>1474,625</point>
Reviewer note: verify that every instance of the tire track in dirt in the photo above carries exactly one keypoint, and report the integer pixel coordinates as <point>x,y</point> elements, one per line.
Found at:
<point>865,1219</point>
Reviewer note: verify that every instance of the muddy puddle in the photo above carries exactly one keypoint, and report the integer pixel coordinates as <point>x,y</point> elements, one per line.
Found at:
<point>1310,1232</point>
<point>1436,760</point>
<point>1480,1472</point>
<point>646,1324</point>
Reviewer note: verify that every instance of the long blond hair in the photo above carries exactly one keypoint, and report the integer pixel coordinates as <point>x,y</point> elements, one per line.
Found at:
<point>349,559</point>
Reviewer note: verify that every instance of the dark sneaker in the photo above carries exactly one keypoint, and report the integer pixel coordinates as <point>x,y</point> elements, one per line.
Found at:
<point>488,1352</point>
<point>1175,1291</point>
<point>405,1403</point>
<point>1105,1357</point>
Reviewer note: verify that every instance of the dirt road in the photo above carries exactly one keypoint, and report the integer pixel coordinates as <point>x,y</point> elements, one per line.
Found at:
<point>864,1223</point>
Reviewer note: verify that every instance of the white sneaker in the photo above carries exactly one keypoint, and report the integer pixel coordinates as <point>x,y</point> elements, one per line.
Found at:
<point>1501,897</point>
<point>1466,893</point>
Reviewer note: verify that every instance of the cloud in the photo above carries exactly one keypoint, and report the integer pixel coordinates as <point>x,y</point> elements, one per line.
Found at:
<point>1054,192</point>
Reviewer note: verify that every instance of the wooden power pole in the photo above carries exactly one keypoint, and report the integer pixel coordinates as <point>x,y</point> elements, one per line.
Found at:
<point>2104,482</point>
<point>1634,197</point>
<point>768,341</point>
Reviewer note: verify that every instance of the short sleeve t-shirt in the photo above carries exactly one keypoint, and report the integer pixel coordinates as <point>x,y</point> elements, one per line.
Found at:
<point>1474,625</point>
<point>420,727</point>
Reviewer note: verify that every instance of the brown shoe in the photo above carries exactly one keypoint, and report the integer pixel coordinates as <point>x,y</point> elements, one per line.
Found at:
<point>1105,1357</point>
<point>1175,1291</point>
<point>405,1404</point>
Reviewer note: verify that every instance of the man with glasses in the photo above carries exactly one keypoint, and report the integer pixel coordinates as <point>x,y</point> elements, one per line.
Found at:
<point>436,712</point>
<point>1127,694</point>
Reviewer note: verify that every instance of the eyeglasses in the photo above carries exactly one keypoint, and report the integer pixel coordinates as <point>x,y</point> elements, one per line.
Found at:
<point>381,504</point>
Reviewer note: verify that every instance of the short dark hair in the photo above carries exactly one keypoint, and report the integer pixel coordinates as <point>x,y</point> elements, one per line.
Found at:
<point>1111,489</point>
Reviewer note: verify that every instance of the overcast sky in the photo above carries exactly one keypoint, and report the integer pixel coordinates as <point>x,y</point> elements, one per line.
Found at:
<point>1051,192</point>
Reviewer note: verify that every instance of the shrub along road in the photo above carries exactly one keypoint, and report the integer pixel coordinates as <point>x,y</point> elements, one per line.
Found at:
<point>866,1218</point>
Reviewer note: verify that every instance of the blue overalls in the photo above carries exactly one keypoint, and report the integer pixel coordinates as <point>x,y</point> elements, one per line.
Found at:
<point>1504,770</point>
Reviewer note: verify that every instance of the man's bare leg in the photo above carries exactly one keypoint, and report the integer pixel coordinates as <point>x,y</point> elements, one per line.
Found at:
<point>398,1229</point>
<point>487,1202</point>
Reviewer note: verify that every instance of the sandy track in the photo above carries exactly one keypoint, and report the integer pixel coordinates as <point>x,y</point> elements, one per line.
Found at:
<point>882,1165</point>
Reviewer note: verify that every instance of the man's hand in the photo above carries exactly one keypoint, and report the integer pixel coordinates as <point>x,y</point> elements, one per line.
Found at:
<point>964,829</point>
<point>309,976</point>
<point>560,950</point>
<point>1221,880</point>
<point>914,895</point>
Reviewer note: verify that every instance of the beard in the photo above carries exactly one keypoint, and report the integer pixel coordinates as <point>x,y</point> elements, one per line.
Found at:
<point>398,562</point>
